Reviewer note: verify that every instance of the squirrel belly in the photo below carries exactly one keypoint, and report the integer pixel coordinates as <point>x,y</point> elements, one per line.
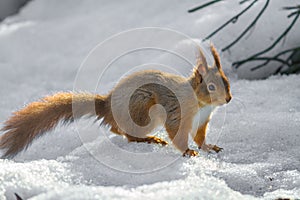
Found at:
<point>203,115</point>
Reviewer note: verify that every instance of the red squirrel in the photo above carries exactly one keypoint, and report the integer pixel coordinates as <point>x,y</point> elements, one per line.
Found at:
<point>209,88</point>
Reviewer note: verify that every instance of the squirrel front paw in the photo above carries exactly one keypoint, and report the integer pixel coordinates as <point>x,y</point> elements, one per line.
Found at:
<point>190,153</point>
<point>209,147</point>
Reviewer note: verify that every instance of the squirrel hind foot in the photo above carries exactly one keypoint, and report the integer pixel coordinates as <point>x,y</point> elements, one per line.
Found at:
<point>156,140</point>
<point>149,139</point>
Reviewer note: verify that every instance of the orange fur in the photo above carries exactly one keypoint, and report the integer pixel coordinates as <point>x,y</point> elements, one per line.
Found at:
<point>42,116</point>
<point>39,117</point>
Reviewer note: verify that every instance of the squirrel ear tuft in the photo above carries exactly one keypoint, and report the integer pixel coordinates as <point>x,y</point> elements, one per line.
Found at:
<point>216,56</point>
<point>202,66</point>
<point>201,69</point>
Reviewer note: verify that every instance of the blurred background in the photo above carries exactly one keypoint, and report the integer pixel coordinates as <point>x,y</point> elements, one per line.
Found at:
<point>10,7</point>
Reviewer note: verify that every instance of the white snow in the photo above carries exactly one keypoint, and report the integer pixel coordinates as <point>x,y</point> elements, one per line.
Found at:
<point>41,50</point>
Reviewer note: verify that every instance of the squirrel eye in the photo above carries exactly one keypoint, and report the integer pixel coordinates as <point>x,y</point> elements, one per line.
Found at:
<point>211,87</point>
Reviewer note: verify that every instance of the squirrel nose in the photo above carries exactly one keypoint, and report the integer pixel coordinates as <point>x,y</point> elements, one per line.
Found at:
<point>228,99</point>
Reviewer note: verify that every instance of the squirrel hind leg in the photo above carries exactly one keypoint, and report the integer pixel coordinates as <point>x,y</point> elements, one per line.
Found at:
<point>148,139</point>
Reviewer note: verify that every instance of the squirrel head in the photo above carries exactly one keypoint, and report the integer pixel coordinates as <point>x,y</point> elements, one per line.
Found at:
<point>209,82</point>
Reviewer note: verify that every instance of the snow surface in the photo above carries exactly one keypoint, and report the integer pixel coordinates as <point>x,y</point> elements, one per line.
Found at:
<point>41,50</point>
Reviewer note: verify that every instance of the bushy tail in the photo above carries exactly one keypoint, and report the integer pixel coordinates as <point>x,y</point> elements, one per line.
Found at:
<point>39,117</point>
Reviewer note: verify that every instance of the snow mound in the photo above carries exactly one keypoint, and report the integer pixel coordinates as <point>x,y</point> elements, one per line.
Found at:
<point>41,50</point>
